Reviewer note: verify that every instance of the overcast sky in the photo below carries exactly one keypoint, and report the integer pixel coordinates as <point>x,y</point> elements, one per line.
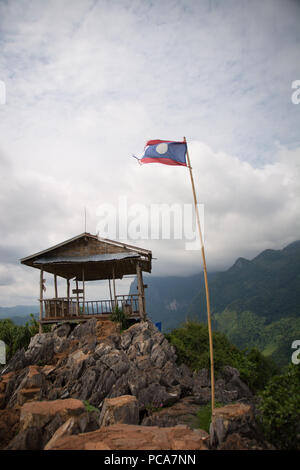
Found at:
<point>89,82</point>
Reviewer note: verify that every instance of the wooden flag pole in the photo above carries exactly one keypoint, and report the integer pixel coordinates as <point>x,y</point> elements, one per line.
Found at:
<point>212,375</point>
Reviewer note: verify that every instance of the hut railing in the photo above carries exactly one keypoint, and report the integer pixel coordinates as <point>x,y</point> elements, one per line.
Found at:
<point>69,307</point>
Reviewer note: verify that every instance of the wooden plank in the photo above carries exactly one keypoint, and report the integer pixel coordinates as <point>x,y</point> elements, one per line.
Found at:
<point>141,292</point>
<point>83,293</point>
<point>55,286</point>
<point>41,298</point>
<point>77,291</point>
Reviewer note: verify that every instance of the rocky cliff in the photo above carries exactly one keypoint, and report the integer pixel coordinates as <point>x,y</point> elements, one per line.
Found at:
<point>89,379</point>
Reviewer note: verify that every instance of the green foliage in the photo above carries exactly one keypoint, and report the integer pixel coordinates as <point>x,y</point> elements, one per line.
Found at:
<point>243,328</point>
<point>247,329</point>
<point>257,370</point>
<point>192,348</point>
<point>14,336</point>
<point>204,416</point>
<point>119,316</point>
<point>32,325</point>
<point>256,303</point>
<point>90,408</point>
<point>280,409</point>
<point>268,285</point>
<point>18,336</point>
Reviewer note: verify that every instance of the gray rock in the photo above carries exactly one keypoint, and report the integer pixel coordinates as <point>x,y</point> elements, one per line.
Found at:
<point>40,349</point>
<point>30,439</point>
<point>62,331</point>
<point>17,362</point>
<point>84,329</point>
<point>122,409</point>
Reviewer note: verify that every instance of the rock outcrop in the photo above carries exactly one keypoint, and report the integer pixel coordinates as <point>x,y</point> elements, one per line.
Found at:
<point>86,381</point>
<point>234,427</point>
<point>130,437</point>
<point>80,363</point>
<point>123,410</point>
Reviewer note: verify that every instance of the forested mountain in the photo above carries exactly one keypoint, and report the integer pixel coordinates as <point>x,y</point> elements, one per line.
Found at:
<point>268,285</point>
<point>168,298</point>
<point>255,302</point>
<point>19,314</point>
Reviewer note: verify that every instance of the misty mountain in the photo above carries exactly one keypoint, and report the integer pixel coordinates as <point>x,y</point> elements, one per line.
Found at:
<point>19,314</point>
<point>168,298</point>
<point>268,285</point>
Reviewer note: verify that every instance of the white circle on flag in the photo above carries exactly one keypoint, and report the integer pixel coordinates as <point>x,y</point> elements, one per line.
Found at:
<point>162,148</point>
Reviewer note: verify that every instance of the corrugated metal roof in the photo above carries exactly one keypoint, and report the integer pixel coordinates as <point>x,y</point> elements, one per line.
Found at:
<point>142,251</point>
<point>85,259</point>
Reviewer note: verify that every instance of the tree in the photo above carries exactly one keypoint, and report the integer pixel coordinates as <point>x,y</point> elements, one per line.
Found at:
<point>280,409</point>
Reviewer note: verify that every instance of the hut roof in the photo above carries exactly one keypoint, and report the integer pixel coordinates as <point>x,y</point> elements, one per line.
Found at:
<point>101,258</point>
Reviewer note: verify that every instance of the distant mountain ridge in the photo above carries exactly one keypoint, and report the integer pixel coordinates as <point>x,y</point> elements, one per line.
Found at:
<point>267,285</point>
<point>19,314</point>
<point>256,303</point>
<point>168,298</point>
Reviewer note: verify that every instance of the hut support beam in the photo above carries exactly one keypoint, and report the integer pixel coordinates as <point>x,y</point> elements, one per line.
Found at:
<point>139,274</point>
<point>83,291</point>
<point>110,294</point>
<point>55,285</point>
<point>68,297</point>
<point>41,298</point>
<point>114,287</point>
<point>77,299</point>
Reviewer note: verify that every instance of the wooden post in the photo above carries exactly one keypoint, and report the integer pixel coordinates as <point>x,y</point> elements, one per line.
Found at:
<point>68,296</point>
<point>41,299</point>
<point>77,299</point>
<point>114,287</point>
<point>55,295</point>
<point>55,285</point>
<point>206,285</point>
<point>139,274</point>
<point>110,294</point>
<point>83,293</point>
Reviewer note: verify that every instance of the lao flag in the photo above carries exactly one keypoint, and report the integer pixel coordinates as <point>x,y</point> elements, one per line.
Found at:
<point>167,152</point>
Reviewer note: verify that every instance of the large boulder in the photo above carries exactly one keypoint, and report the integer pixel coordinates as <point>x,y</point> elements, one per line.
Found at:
<point>122,409</point>
<point>84,423</point>
<point>9,426</point>
<point>130,437</point>
<point>235,425</point>
<point>40,349</point>
<point>39,420</point>
<point>182,412</point>
<point>228,386</point>
<point>39,413</point>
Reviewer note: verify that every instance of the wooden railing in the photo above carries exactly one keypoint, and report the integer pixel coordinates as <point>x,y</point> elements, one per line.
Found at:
<point>128,303</point>
<point>59,307</point>
<point>69,307</point>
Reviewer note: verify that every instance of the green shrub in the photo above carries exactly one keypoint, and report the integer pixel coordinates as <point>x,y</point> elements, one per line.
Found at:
<point>18,336</point>
<point>119,316</point>
<point>280,409</point>
<point>90,408</point>
<point>192,348</point>
<point>204,416</point>
<point>14,336</point>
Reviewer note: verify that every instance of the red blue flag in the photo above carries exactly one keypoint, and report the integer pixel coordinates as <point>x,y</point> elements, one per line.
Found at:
<point>167,152</point>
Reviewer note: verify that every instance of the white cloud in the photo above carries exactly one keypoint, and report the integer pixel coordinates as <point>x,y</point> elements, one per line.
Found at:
<point>88,82</point>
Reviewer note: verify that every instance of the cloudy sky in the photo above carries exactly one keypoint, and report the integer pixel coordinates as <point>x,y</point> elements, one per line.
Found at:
<point>88,82</point>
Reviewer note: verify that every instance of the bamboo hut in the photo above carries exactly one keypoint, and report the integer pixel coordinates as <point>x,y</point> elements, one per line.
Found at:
<point>87,258</point>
